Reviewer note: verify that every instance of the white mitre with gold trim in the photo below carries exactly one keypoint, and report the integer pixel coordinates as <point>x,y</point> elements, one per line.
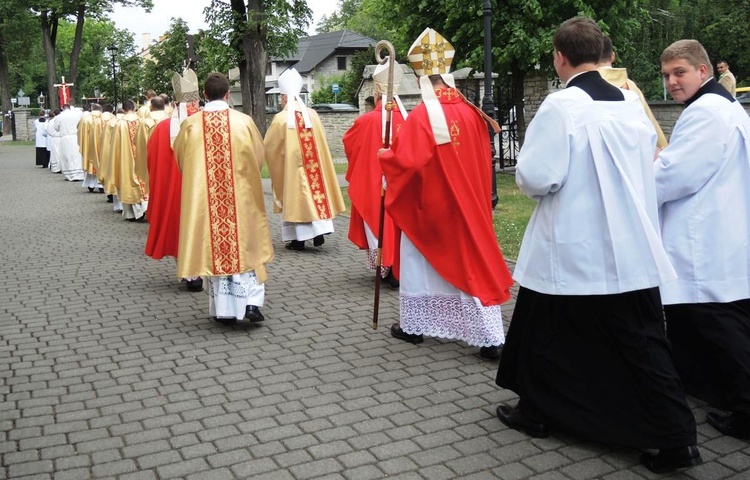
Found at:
<point>432,54</point>
<point>290,84</point>
<point>186,90</point>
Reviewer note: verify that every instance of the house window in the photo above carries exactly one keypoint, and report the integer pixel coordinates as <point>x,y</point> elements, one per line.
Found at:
<point>269,71</point>
<point>341,63</point>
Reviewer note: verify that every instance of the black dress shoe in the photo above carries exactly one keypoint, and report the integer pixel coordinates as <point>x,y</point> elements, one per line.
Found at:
<point>195,285</point>
<point>492,352</point>
<point>515,419</point>
<point>319,240</point>
<point>402,335</point>
<point>91,189</point>
<point>226,321</point>
<point>101,190</point>
<point>252,314</point>
<point>732,425</point>
<point>391,280</point>
<point>110,198</point>
<point>669,459</point>
<point>295,245</point>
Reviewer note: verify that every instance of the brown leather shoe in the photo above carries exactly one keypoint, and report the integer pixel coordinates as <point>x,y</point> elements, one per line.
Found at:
<point>514,418</point>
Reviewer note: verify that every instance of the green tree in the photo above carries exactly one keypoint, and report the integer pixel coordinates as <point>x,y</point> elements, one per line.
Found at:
<point>253,29</point>
<point>168,56</point>
<point>51,12</point>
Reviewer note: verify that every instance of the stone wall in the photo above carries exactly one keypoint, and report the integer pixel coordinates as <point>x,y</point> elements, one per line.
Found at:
<point>336,124</point>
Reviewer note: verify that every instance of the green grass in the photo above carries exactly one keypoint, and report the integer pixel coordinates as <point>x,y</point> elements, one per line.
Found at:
<point>511,215</point>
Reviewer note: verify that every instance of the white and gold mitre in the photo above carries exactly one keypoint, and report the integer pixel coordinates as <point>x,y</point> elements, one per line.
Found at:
<point>380,76</point>
<point>290,82</point>
<point>431,54</point>
<point>185,86</point>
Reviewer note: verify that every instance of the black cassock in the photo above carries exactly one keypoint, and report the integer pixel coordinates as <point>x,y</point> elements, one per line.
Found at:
<point>597,366</point>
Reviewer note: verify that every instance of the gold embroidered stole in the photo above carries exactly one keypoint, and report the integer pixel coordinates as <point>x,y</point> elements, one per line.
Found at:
<point>222,204</point>
<point>311,163</point>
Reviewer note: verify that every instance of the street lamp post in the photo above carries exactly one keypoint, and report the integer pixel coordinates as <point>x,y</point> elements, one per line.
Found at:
<point>488,105</point>
<point>113,52</point>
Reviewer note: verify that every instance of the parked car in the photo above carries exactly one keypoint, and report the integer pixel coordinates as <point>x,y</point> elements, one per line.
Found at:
<point>334,107</point>
<point>743,92</point>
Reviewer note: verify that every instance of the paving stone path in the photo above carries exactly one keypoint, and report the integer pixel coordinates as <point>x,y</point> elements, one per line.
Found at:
<point>110,369</point>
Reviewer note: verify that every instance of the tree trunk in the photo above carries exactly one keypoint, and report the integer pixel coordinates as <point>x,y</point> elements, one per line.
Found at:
<point>255,46</point>
<point>518,76</point>
<point>49,31</point>
<point>77,44</point>
<point>4,85</point>
<point>249,40</point>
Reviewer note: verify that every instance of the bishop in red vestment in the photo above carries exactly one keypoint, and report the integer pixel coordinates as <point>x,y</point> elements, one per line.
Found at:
<point>452,273</point>
<point>364,175</point>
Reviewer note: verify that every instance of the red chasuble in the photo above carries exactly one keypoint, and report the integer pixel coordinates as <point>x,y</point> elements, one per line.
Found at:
<point>165,188</point>
<point>361,144</point>
<point>439,196</point>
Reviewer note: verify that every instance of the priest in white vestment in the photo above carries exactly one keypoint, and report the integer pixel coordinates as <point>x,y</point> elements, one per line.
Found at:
<point>71,161</point>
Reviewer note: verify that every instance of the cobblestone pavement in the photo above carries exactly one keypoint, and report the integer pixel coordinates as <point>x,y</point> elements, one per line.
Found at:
<point>109,368</point>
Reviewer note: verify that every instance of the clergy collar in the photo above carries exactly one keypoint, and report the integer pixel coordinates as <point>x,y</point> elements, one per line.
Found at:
<point>596,87</point>
<point>567,84</point>
<point>216,106</point>
<point>710,86</point>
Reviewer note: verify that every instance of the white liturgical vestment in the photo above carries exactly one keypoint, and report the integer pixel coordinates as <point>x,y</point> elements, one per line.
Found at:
<point>584,158</point>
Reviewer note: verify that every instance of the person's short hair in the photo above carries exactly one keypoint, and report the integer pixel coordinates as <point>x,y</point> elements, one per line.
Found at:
<point>370,101</point>
<point>150,94</point>
<point>724,62</point>
<point>95,107</point>
<point>107,107</point>
<point>66,106</point>
<point>157,103</point>
<point>216,86</point>
<point>607,50</point>
<point>165,97</point>
<point>580,40</point>
<point>128,105</point>
<point>689,50</point>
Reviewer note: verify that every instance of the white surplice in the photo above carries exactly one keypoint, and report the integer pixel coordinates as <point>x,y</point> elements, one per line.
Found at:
<point>595,230</point>
<point>703,190</point>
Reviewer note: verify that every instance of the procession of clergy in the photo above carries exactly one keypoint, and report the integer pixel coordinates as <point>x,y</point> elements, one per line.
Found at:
<point>628,236</point>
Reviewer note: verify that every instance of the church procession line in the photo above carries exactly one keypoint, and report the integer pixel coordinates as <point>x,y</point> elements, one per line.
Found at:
<point>114,370</point>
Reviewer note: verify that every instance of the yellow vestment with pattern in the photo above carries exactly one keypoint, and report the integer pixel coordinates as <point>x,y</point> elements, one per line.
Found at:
<point>305,186</point>
<point>223,225</point>
<point>130,188</point>
<point>106,174</point>
<point>89,136</point>
<point>145,130</point>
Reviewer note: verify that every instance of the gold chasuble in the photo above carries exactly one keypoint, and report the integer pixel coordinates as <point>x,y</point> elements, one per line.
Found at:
<point>223,225</point>
<point>145,130</point>
<point>305,186</point>
<point>89,137</point>
<point>130,189</point>
<point>106,172</point>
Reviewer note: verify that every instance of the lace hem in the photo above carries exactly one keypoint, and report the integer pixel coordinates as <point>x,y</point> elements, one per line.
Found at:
<point>227,286</point>
<point>372,262</point>
<point>452,317</point>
